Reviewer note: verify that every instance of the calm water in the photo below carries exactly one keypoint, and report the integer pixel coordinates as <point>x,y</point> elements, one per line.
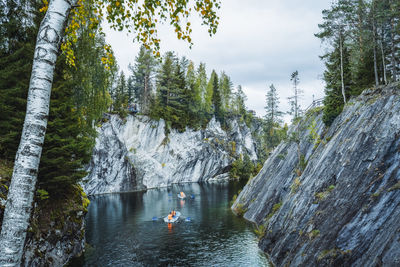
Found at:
<point>121,232</point>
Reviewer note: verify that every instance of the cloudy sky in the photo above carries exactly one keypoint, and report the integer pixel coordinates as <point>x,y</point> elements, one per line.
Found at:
<point>258,42</point>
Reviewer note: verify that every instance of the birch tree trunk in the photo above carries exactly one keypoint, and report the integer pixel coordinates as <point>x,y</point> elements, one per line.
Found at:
<point>383,63</point>
<point>393,50</point>
<point>20,195</point>
<point>375,57</point>
<point>341,66</point>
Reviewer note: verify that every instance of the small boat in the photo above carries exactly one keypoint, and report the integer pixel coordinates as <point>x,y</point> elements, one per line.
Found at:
<point>174,219</point>
<point>182,197</point>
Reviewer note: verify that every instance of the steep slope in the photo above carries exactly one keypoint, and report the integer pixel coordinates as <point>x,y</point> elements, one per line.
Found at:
<point>135,154</point>
<point>340,206</point>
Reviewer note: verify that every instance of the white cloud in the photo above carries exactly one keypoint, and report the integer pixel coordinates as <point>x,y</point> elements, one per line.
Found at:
<point>257,43</point>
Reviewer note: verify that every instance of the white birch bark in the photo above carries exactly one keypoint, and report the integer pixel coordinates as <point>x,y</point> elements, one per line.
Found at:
<point>375,56</point>
<point>20,196</point>
<point>383,63</point>
<point>341,67</point>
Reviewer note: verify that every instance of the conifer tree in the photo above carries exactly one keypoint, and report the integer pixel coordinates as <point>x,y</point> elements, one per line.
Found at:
<point>225,85</point>
<point>216,97</point>
<point>194,97</point>
<point>294,100</point>
<point>208,97</point>
<point>273,114</point>
<point>17,40</point>
<point>165,82</point>
<point>201,83</point>
<point>239,102</point>
<point>333,101</point>
<point>272,118</point>
<point>69,140</point>
<point>120,101</point>
<point>143,72</point>
<point>178,100</point>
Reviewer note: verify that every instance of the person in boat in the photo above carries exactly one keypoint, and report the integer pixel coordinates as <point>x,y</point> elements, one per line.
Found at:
<point>170,216</point>
<point>173,213</point>
<point>183,194</point>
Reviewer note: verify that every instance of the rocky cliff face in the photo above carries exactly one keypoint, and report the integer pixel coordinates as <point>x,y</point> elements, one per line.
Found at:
<point>135,153</point>
<point>333,197</point>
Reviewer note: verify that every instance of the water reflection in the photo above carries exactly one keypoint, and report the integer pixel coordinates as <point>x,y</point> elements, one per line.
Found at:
<point>121,230</point>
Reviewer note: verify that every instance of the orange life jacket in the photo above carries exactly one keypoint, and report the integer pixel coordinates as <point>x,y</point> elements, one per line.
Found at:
<point>169,216</point>
<point>173,213</point>
<point>182,194</point>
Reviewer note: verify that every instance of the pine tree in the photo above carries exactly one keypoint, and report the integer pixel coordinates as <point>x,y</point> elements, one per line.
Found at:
<point>239,103</point>
<point>273,114</point>
<point>120,102</point>
<point>201,83</point>
<point>333,101</point>
<point>294,100</point>
<point>16,50</point>
<point>69,140</point>
<point>208,97</point>
<point>225,85</point>
<point>194,97</point>
<point>178,101</point>
<point>216,97</point>
<point>143,72</point>
<point>164,84</point>
<point>272,118</point>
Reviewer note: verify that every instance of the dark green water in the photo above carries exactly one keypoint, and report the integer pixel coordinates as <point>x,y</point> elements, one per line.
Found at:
<point>120,230</point>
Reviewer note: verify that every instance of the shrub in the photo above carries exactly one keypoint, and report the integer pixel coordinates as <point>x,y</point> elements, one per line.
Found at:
<point>295,186</point>
<point>42,194</point>
<point>240,210</point>
<point>313,234</point>
<point>260,230</point>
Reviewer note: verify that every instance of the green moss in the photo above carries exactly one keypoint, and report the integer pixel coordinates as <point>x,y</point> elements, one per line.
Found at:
<point>165,141</point>
<point>275,208</point>
<point>282,156</point>
<point>85,200</point>
<point>234,198</point>
<point>395,187</point>
<point>260,230</point>
<point>6,169</point>
<point>324,194</point>
<point>240,210</point>
<point>331,254</point>
<point>233,147</point>
<point>42,194</point>
<point>375,195</point>
<point>314,233</point>
<point>295,185</point>
<point>302,163</point>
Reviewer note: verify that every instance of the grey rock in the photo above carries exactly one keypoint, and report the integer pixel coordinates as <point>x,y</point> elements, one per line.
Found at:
<point>135,154</point>
<point>344,208</point>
